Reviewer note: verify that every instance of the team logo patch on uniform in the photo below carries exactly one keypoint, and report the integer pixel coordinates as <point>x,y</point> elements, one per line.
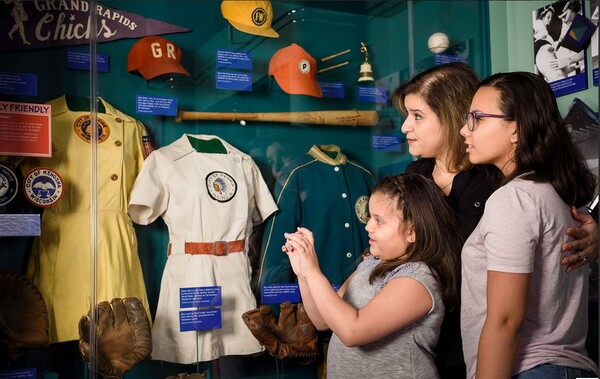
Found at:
<point>221,186</point>
<point>82,129</point>
<point>8,185</point>
<point>43,187</point>
<point>259,16</point>
<point>148,148</point>
<point>360,207</point>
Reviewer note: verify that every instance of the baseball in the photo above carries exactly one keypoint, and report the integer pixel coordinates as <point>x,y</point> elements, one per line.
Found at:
<point>438,43</point>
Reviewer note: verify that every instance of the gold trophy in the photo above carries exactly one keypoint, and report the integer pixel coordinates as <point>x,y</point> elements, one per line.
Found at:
<point>366,73</point>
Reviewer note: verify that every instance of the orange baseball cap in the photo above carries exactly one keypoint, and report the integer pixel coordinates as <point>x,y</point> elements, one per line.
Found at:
<point>252,17</point>
<point>154,56</point>
<point>295,71</point>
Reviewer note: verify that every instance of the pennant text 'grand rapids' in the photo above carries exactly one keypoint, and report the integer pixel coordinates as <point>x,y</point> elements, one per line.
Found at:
<point>41,24</point>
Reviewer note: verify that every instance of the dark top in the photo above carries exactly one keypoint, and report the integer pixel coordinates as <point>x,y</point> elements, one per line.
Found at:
<point>470,190</point>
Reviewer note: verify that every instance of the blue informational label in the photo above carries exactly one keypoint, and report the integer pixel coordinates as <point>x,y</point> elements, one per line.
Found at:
<point>165,106</point>
<point>332,89</point>
<point>234,59</point>
<point>24,373</point>
<point>373,94</point>
<point>202,319</point>
<point>19,225</point>
<point>595,76</point>
<point>386,142</point>
<point>280,293</point>
<point>13,83</point>
<point>79,60</point>
<point>569,85</point>
<point>194,297</point>
<point>239,81</point>
<point>445,58</point>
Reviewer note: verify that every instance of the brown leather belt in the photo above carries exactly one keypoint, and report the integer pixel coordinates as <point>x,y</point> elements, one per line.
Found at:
<point>218,248</point>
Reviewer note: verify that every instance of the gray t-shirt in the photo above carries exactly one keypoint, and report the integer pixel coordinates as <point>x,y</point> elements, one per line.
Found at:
<point>406,353</point>
<point>521,231</point>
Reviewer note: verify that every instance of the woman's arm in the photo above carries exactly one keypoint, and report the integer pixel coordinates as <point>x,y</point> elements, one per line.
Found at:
<point>585,243</point>
<point>506,308</point>
<point>564,62</point>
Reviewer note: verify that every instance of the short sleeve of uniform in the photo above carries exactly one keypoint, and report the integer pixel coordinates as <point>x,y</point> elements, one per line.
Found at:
<point>264,203</point>
<point>511,230</point>
<point>149,197</point>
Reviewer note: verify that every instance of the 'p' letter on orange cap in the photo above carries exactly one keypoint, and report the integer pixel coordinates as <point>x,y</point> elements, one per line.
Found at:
<point>253,17</point>
<point>154,56</point>
<point>295,71</point>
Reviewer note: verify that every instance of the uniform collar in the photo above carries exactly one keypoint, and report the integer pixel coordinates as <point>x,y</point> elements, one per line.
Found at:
<point>328,154</point>
<point>182,146</point>
<point>59,106</point>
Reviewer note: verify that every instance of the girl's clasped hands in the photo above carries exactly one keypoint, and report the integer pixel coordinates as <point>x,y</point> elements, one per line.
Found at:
<point>300,248</point>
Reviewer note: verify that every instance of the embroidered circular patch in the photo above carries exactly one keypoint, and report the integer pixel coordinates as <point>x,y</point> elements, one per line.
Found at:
<point>360,207</point>
<point>221,186</point>
<point>8,185</point>
<point>304,66</point>
<point>43,187</point>
<point>259,16</point>
<point>81,127</point>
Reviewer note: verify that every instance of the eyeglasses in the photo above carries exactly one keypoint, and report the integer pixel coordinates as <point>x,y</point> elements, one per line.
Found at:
<point>473,118</point>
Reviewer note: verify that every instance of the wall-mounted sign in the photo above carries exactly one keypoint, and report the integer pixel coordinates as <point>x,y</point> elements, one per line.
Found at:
<point>25,129</point>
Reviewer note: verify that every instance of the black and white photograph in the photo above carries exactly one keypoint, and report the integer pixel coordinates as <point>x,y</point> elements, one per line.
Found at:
<point>561,64</point>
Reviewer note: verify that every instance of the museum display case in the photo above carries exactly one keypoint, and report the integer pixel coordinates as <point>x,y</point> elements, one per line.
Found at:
<point>148,182</point>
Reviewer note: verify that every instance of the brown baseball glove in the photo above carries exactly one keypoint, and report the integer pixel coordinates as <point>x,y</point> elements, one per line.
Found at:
<point>23,316</point>
<point>122,333</point>
<point>292,336</point>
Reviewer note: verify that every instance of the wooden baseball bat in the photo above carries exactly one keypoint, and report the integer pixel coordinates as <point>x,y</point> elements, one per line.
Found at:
<point>335,55</point>
<point>341,117</point>
<point>332,67</point>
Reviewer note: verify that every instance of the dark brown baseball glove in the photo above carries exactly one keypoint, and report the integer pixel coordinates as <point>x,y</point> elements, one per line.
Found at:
<point>122,333</point>
<point>292,336</point>
<point>23,316</point>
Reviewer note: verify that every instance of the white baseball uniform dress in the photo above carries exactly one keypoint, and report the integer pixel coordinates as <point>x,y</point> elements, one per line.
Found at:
<point>203,197</point>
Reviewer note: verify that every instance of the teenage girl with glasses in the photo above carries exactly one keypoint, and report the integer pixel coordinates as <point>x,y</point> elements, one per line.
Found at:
<point>522,315</point>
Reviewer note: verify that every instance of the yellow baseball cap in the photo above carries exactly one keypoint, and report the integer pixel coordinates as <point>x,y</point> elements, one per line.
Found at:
<point>252,17</point>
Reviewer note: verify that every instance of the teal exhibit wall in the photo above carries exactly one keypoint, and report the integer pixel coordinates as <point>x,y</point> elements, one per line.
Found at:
<point>322,29</point>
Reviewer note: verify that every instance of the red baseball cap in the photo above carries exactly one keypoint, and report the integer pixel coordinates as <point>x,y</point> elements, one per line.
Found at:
<point>295,71</point>
<point>154,56</point>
